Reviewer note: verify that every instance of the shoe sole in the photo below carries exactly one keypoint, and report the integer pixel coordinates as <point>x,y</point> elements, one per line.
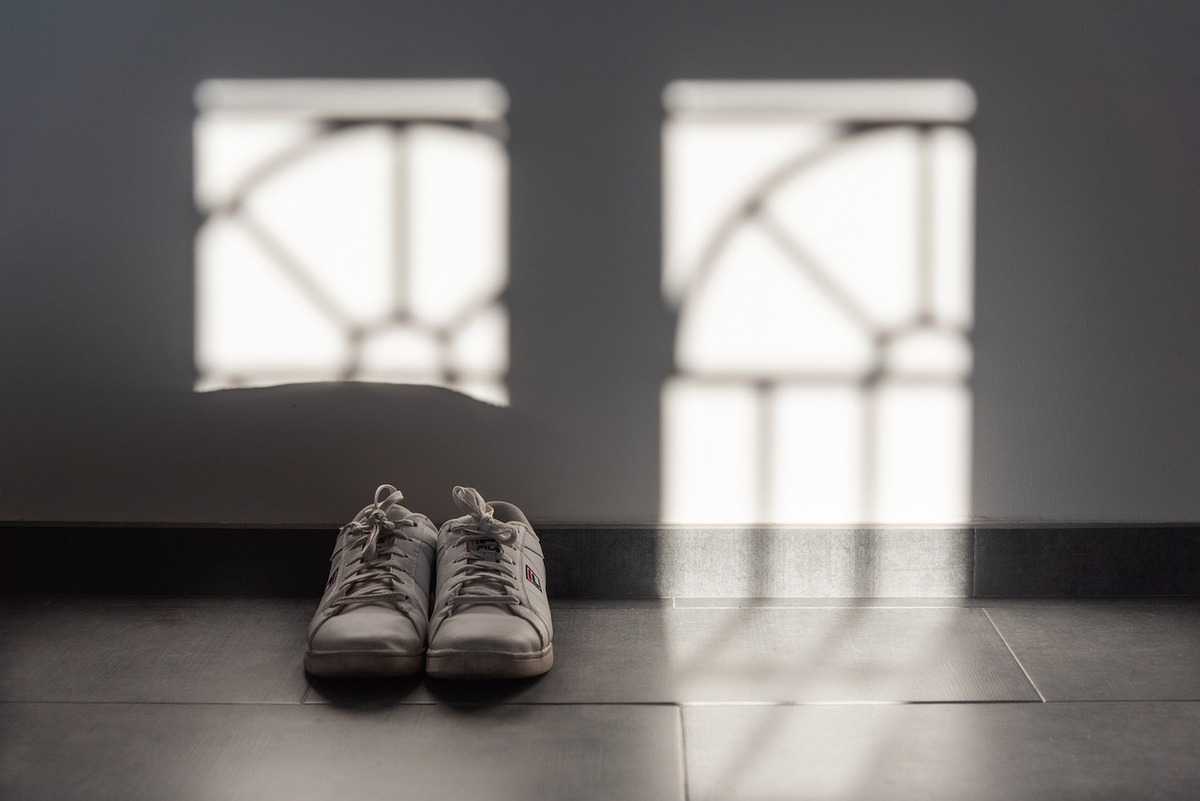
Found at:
<point>448,663</point>
<point>342,664</point>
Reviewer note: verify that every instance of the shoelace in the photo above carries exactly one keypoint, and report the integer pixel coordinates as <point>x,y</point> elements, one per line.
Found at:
<point>374,576</point>
<point>481,580</point>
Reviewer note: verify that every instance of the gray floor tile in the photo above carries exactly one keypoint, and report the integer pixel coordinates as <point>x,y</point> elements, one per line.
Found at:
<point>1105,650</point>
<point>128,752</point>
<point>14,608</point>
<point>155,650</point>
<point>16,603</point>
<point>957,752</point>
<point>745,655</point>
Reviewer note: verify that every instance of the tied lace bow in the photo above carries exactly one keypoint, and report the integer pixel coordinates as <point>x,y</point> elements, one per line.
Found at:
<point>371,578</point>
<point>483,580</point>
<point>483,515</point>
<point>377,523</point>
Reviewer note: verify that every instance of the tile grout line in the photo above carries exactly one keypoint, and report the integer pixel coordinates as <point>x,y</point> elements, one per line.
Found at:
<point>681,706</point>
<point>1013,653</point>
<point>683,755</point>
<point>130,702</point>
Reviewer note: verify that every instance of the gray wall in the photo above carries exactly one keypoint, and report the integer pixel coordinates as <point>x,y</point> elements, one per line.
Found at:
<point>1088,251</point>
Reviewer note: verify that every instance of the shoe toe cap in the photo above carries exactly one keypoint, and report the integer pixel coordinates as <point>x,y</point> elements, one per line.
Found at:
<point>500,633</point>
<point>369,628</point>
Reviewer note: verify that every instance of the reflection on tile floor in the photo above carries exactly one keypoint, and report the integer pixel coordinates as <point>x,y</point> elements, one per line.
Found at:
<point>1116,651</point>
<point>951,751</point>
<point>126,697</point>
<point>771,655</point>
<point>291,752</point>
<point>154,650</point>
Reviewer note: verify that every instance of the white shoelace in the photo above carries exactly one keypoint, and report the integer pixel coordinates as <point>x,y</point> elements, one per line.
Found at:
<point>481,580</point>
<point>376,574</point>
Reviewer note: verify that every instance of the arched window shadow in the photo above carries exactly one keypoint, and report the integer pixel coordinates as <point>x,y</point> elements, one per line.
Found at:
<point>821,377</point>
<point>399,282</point>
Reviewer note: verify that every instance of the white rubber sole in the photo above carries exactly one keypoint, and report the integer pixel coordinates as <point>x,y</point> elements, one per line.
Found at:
<point>447,663</point>
<point>340,664</point>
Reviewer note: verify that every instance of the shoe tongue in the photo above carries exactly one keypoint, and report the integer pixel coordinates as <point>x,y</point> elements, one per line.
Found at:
<point>486,550</point>
<point>397,513</point>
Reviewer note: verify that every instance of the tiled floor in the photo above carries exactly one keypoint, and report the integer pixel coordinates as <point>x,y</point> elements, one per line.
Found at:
<point>167,698</point>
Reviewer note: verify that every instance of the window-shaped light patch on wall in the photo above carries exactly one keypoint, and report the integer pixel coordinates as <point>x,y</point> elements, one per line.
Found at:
<point>352,231</point>
<point>818,254</point>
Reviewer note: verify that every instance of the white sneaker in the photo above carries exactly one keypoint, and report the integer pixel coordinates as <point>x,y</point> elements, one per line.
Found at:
<point>373,616</point>
<point>491,618</point>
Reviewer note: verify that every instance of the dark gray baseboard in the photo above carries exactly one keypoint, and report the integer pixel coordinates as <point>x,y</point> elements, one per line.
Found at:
<point>641,562</point>
<point>775,562</point>
<point>1087,562</point>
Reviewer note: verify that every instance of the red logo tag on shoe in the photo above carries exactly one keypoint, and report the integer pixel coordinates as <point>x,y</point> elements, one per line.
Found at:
<point>532,577</point>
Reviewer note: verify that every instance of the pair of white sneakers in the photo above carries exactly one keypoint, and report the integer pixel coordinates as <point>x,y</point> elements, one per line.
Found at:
<point>482,613</point>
